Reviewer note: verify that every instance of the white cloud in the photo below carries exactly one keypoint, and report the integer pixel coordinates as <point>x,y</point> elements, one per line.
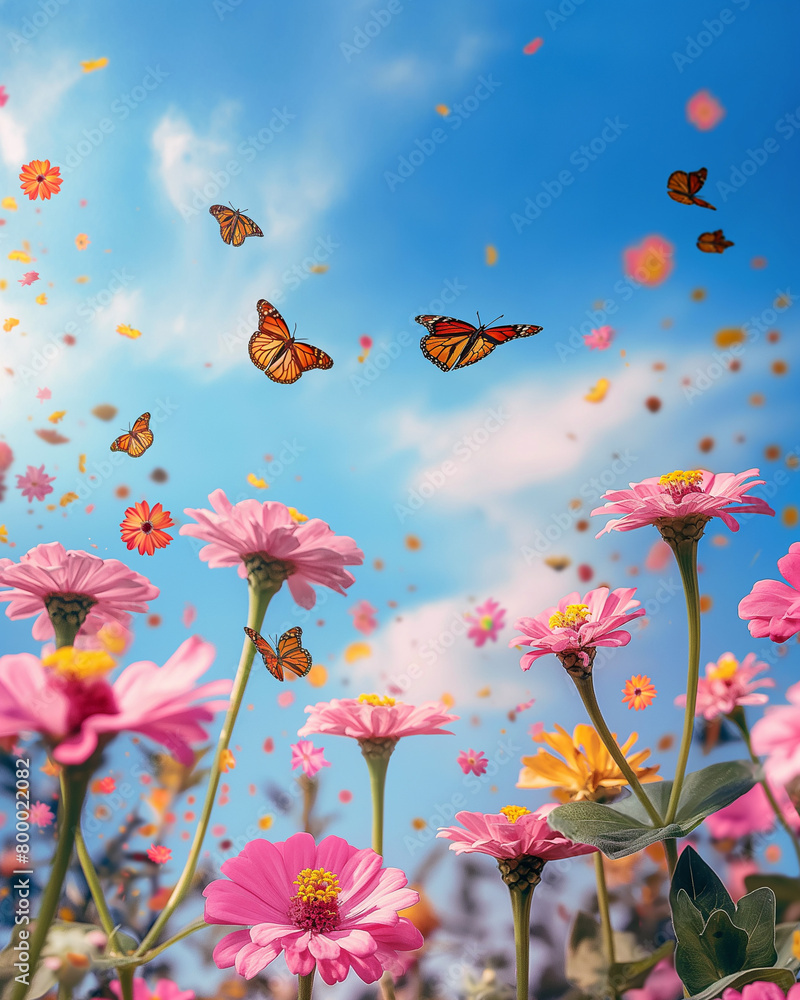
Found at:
<point>185,160</point>
<point>12,140</point>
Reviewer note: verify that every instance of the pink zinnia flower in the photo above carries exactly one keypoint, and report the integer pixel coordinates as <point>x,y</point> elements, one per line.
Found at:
<point>683,494</point>
<point>165,989</point>
<point>762,990</point>
<point>35,484</point>
<point>364,617</point>
<point>40,814</point>
<point>159,854</point>
<point>573,628</point>
<point>663,983</point>
<point>650,262</point>
<point>487,621</point>
<point>751,813</point>
<point>309,757</point>
<point>599,339</point>
<point>97,591</point>
<point>473,762</point>
<point>773,607</point>
<point>704,111</point>
<point>512,832</point>
<point>728,683</point>
<point>68,700</point>
<point>371,717</point>
<point>777,735</point>
<point>328,904</point>
<point>264,540</point>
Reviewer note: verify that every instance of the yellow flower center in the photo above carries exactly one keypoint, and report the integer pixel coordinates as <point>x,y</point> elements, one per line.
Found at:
<point>513,813</point>
<point>725,669</point>
<point>315,885</point>
<point>78,664</point>
<point>679,483</point>
<point>486,622</point>
<point>374,699</point>
<point>573,615</point>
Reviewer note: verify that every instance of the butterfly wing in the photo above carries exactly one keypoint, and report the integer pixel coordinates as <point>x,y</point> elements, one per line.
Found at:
<point>713,242</point>
<point>271,660</point>
<point>490,339</point>
<point>683,187</point>
<point>297,359</point>
<point>273,349</point>
<point>447,340</point>
<point>291,654</point>
<point>138,440</point>
<point>234,228</point>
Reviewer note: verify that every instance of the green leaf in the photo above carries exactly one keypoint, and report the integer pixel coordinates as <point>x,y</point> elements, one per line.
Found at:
<point>787,890</point>
<point>755,914</point>
<point>701,884</point>
<point>783,945</point>
<point>783,977</point>
<point>623,827</point>
<point>626,976</point>
<point>725,944</point>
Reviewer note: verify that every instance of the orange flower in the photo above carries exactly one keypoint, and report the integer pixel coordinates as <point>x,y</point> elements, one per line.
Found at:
<point>143,528</point>
<point>40,180</point>
<point>638,692</point>
<point>82,241</point>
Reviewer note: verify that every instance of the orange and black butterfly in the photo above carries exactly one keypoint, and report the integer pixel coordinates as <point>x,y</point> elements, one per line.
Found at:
<point>276,352</point>
<point>683,187</point>
<point>713,242</point>
<point>290,655</point>
<point>234,227</point>
<point>452,343</point>
<point>137,440</point>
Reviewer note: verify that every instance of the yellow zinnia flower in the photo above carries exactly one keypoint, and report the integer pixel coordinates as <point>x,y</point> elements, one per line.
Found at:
<point>587,770</point>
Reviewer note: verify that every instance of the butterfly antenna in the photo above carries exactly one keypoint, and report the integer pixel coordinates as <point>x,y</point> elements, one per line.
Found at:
<point>495,320</point>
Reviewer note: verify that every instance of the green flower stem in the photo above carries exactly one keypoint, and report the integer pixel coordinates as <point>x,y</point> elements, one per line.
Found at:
<point>686,555</point>
<point>737,716</point>
<point>64,992</point>
<point>65,633</point>
<point>387,986</point>
<point>259,601</point>
<point>378,766</point>
<point>521,900</point>
<point>588,697</point>
<point>605,913</point>
<point>671,854</point>
<point>305,984</point>
<point>90,874</point>
<point>192,928</point>
<point>126,981</point>
<point>74,785</point>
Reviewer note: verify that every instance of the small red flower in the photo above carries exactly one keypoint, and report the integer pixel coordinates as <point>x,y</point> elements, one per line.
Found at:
<point>143,528</point>
<point>159,855</point>
<point>40,180</point>
<point>638,692</point>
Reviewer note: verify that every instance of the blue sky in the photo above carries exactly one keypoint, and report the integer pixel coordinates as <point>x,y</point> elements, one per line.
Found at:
<point>184,90</point>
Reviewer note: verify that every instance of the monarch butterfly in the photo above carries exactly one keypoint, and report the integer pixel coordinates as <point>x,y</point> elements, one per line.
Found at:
<point>290,655</point>
<point>234,227</point>
<point>713,242</point>
<point>275,351</point>
<point>137,440</point>
<point>452,343</point>
<point>683,187</point>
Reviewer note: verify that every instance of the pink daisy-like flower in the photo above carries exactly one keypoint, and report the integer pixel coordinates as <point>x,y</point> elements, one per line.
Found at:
<point>91,590</point>
<point>41,815</point>
<point>773,607</point>
<point>704,111</point>
<point>663,983</point>
<point>309,757</point>
<point>762,990</point>
<point>269,546</point>
<point>696,494</point>
<point>751,813</point>
<point>165,989</point>
<point>727,684</point>
<point>364,619</point>
<point>487,621</point>
<point>473,762</point>
<point>68,700</point>
<point>371,717</point>
<point>777,735</point>
<point>328,904</point>
<point>35,484</point>
<point>512,832</point>
<point>599,339</point>
<point>159,854</point>
<point>575,627</point>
